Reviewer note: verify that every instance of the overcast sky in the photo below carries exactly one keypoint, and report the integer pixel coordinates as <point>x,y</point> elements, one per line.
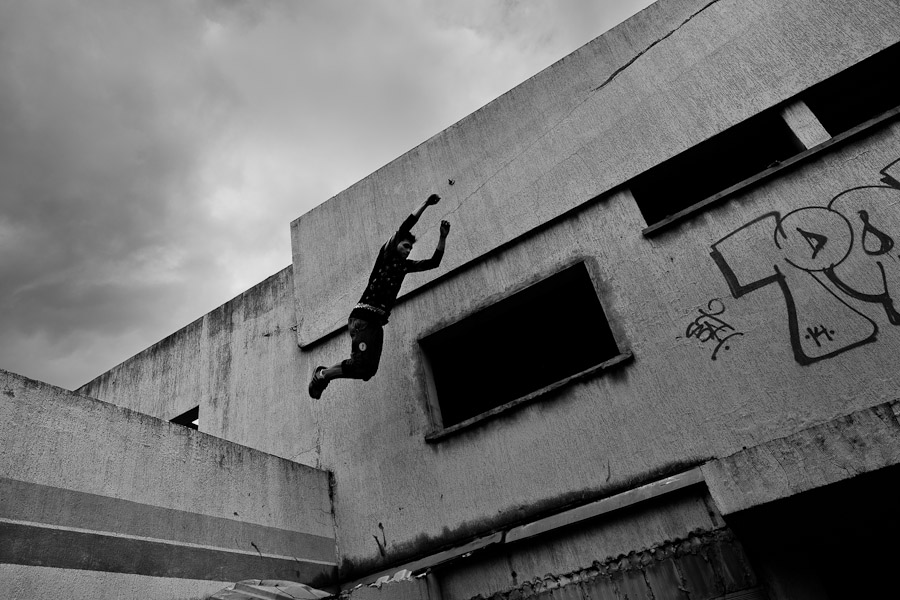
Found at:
<point>153,154</point>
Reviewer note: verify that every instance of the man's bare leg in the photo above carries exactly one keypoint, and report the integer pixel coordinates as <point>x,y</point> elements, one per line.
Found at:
<point>334,372</point>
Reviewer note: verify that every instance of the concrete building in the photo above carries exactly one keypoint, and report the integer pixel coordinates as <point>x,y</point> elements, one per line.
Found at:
<point>658,360</point>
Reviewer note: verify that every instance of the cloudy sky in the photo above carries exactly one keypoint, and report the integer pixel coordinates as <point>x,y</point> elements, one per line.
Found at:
<point>153,154</point>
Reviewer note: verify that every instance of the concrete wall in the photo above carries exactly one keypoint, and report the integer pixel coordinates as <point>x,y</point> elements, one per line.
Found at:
<point>239,363</point>
<point>672,405</point>
<point>541,181</point>
<point>102,502</point>
<point>672,76</point>
<point>559,140</point>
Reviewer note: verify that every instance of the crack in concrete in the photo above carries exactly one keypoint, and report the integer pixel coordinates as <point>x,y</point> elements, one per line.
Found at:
<point>555,125</point>
<point>618,71</point>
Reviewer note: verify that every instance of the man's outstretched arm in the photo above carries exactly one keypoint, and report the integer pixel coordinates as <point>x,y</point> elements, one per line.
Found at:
<point>429,201</point>
<point>435,260</point>
<point>413,218</point>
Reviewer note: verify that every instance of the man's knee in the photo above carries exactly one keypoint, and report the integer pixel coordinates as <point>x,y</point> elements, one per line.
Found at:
<point>367,371</point>
<point>357,369</point>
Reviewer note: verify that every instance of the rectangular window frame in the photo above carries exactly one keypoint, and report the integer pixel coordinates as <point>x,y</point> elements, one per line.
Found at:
<point>743,151</point>
<point>763,177</point>
<point>813,97</point>
<point>438,432</point>
<point>857,94</point>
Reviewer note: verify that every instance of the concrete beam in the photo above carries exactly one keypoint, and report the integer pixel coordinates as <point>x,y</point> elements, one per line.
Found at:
<point>861,442</point>
<point>804,124</point>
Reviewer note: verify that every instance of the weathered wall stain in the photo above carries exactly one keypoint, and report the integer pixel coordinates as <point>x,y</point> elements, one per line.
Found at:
<point>704,564</point>
<point>821,257</point>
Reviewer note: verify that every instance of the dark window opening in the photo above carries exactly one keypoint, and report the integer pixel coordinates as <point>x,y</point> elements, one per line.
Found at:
<point>857,94</point>
<point>547,332</point>
<point>714,165</point>
<point>190,418</point>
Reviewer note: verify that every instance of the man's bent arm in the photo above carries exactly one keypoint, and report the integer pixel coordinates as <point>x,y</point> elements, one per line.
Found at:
<point>435,260</point>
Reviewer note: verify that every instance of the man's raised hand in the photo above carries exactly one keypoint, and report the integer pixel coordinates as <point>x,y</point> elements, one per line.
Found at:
<point>432,200</point>
<point>445,228</point>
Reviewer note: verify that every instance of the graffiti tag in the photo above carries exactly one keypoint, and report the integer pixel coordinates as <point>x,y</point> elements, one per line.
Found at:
<point>826,261</point>
<point>710,327</point>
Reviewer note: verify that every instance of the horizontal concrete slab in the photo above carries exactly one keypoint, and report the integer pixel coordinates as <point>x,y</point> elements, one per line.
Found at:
<point>47,546</point>
<point>22,501</point>
<point>861,442</point>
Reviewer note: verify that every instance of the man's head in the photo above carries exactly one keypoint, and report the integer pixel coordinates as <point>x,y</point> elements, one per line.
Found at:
<point>405,244</point>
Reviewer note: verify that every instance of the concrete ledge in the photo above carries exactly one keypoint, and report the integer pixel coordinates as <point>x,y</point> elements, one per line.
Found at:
<point>861,442</point>
<point>89,486</point>
<point>606,505</point>
<point>51,583</point>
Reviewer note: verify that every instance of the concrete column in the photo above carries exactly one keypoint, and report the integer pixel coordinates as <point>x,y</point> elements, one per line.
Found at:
<point>804,124</point>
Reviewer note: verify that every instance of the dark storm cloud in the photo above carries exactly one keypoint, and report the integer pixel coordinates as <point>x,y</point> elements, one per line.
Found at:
<point>98,165</point>
<point>152,154</point>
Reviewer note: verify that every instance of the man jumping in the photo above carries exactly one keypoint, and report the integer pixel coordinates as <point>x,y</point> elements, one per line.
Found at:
<point>370,315</point>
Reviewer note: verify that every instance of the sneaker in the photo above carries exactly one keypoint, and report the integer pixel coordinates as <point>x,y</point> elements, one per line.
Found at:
<point>318,383</point>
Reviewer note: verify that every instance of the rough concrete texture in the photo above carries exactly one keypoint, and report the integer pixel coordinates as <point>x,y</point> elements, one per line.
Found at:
<point>47,583</point>
<point>239,363</point>
<point>804,350</point>
<point>861,442</point>
<point>88,485</point>
<point>671,76</point>
<point>674,403</point>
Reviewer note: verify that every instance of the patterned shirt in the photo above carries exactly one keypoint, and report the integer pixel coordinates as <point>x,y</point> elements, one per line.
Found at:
<point>387,277</point>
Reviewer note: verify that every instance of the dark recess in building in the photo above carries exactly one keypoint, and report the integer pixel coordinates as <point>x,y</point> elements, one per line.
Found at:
<point>538,336</point>
<point>714,165</point>
<point>190,418</point>
<point>835,543</point>
<point>857,94</point>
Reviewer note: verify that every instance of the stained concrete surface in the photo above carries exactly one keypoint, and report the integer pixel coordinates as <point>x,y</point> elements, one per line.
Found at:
<point>672,76</point>
<point>672,404</point>
<point>239,363</point>
<point>86,485</point>
<point>539,183</point>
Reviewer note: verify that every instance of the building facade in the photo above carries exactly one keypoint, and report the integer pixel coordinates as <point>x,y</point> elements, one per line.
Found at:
<point>659,357</point>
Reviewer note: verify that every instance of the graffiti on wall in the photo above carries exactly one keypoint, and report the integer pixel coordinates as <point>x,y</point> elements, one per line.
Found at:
<point>711,328</point>
<point>831,263</point>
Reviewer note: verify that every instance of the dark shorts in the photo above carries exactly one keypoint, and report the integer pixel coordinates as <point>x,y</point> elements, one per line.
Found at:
<point>367,339</point>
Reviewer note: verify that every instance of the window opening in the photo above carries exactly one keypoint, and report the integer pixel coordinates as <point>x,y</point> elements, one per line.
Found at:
<point>545,333</point>
<point>714,165</point>
<point>858,93</point>
<point>190,418</point>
